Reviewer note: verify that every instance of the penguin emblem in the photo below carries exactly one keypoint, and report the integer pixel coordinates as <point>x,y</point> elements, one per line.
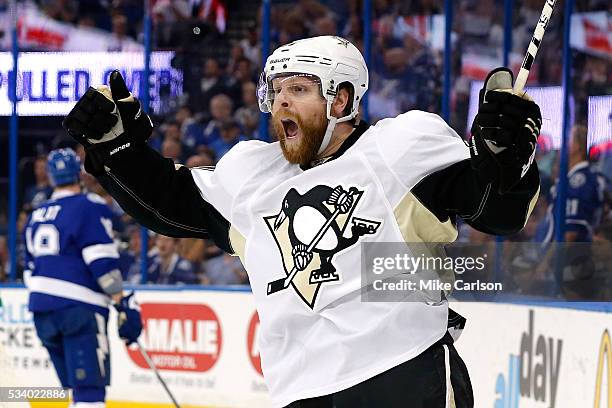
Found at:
<point>310,229</point>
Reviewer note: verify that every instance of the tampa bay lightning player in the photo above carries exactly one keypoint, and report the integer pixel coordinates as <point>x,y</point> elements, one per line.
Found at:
<point>584,204</point>
<point>72,275</point>
<point>585,194</point>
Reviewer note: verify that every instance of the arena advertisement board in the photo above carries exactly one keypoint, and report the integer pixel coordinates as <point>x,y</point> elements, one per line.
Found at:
<point>197,340</point>
<point>205,345</point>
<point>179,337</point>
<point>537,357</point>
<point>50,83</point>
<point>22,355</point>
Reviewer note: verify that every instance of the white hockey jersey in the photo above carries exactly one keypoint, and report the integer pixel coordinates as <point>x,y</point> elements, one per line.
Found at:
<point>317,335</point>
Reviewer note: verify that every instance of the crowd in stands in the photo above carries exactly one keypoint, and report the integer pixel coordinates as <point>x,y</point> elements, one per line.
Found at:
<point>219,51</point>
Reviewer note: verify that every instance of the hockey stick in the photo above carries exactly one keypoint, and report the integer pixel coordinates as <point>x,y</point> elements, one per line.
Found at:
<point>283,283</point>
<point>534,45</point>
<point>152,366</point>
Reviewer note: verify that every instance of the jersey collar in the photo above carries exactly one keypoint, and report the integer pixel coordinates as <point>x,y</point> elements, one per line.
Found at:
<point>578,166</point>
<point>350,141</point>
<point>61,193</point>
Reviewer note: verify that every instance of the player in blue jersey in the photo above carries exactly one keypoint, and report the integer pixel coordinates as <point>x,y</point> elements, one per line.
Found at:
<point>583,209</point>
<point>72,275</point>
<point>585,194</point>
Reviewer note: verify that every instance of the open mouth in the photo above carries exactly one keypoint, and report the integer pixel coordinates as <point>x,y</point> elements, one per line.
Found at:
<point>291,128</point>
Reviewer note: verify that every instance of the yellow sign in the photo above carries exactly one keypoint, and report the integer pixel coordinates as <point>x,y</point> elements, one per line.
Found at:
<point>605,350</point>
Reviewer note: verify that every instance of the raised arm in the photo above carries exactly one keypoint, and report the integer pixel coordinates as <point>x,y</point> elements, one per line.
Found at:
<point>494,184</point>
<point>459,190</point>
<point>162,196</point>
<point>497,191</point>
<point>158,194</point>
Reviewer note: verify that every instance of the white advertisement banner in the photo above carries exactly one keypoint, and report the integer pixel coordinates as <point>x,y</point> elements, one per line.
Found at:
<point>205,345</point>
<point>537,357</point>
<point>49,83</point>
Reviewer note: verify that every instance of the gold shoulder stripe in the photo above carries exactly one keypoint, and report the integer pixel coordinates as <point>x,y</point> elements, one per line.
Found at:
<point>418,224</point>
<point>238,242</point>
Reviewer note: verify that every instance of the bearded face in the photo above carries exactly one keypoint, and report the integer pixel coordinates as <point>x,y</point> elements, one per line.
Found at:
<point>299,117</point>
<point>299,136</point>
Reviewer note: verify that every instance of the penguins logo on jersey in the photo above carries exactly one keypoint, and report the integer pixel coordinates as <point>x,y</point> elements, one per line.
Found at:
<point>310,229</point>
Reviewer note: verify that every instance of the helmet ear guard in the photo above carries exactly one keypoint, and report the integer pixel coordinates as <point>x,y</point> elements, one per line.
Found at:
<point>349,109</point>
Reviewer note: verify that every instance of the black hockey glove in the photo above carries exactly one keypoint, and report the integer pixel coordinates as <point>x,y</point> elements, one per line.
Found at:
<point>107,121</point>
<point>505,132</point>
<point>129,321</point>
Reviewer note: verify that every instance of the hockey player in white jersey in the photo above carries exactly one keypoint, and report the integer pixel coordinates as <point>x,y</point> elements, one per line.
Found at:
<point>295,211</point>
<point>72,275</point>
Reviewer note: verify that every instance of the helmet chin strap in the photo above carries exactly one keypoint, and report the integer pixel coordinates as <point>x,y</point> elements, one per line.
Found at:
<point>331,125</point>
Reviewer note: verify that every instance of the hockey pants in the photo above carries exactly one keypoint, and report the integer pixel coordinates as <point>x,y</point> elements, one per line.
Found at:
<point>75,338</point>
<point>423,382</point>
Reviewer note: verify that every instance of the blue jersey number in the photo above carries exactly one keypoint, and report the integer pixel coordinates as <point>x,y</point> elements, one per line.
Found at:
<point>45,240</point>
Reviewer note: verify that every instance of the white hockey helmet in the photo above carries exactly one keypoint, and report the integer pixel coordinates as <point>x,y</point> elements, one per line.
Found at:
<point>331,59</point>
